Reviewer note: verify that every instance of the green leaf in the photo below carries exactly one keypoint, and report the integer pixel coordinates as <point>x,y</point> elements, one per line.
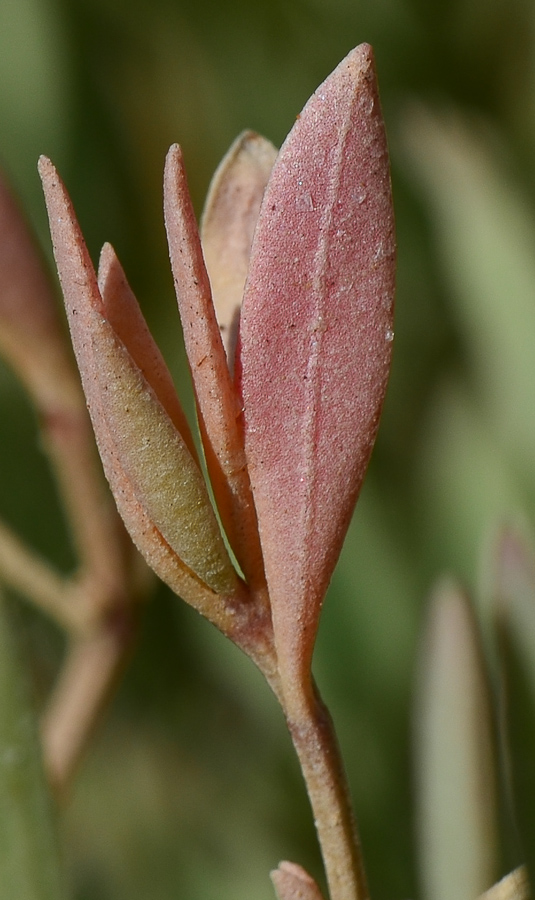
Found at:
<point>485,235</point>
<point>29,855</point>
<point>464,479</point>
<point>457,824</point>
<point>515,608</point>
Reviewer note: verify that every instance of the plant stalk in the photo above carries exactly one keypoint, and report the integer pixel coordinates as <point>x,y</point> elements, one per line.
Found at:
<point>316,745</point>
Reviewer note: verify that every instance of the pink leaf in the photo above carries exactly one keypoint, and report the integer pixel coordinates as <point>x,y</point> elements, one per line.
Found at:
<point>157,484</point>
<point>316,339</point>
<point>291,882</point>
<point>218,404</point>
<point>228,224</point>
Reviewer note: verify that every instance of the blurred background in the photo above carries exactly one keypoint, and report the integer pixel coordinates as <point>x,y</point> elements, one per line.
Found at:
<point>190,789</point>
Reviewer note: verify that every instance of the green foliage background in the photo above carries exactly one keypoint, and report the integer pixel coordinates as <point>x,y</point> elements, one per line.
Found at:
<point>191,789</point>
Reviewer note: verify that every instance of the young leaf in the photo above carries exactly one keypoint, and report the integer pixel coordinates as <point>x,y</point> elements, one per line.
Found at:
<point>217,401</point>
<point>157,484</point>
<point>228,224</point>
<point>455,777</point>
<point>29,852</point>
<point>291,882</point>
<point>126,319</point>
<point>315,341</point>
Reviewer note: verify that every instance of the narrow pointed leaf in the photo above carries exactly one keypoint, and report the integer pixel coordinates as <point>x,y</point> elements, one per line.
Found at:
<point>515,595</point>
<point>455,778</point>
<point>29,850</point>
<point>217,401</point>
<point>156,483</point>
<point>228,223</point>
<point>316,338</point>
<point>126,319</point>
<point>291,882</point>
<point>165,480</point>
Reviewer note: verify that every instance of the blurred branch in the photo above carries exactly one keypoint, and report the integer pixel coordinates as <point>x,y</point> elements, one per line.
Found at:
<point>96,607</point>
<point>28,574</point>
<point>86,682</point>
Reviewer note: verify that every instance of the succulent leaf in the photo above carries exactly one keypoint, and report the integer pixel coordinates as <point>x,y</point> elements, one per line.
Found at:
<point>157,484</point>
<point>217,400</point>
<point>126,319</point>
<point>315,342</point>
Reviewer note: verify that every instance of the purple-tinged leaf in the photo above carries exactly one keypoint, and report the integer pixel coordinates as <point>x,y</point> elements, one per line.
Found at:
<point>228,223</point>
<point>316,339</point>
<point>217,401</point>
<point>157,485</point>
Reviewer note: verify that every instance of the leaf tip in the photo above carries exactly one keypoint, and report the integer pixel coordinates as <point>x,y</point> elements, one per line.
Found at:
<point>292,882</point>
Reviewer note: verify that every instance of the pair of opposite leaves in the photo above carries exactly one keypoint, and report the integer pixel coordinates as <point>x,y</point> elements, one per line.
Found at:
<point>289,419</point>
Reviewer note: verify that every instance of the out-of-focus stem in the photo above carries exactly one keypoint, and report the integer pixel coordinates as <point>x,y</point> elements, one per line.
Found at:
<point>316,745</point>
<point>93,666</point>
<point>32,577</point>
<point>96,605</point>
<point>95,525</point>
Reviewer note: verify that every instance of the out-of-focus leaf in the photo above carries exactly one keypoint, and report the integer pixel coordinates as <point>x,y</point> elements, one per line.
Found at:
<point>486,237</point>
<point>315,342</point>
<point>457,826</point>
<point>35,84</point>
<point>515,600</point>
<point>464,480</point>
<point>29,854</point>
